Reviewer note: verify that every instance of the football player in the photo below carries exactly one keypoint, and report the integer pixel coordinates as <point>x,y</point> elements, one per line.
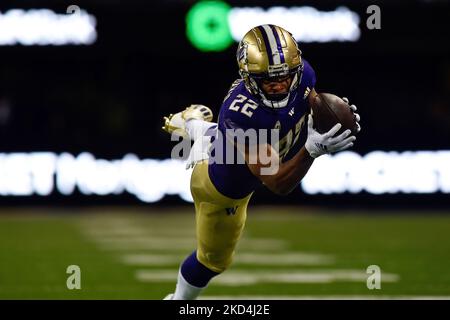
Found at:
<point>275,91</point>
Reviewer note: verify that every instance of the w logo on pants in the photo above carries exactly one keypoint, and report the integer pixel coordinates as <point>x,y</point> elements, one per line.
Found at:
<point>231,211</point>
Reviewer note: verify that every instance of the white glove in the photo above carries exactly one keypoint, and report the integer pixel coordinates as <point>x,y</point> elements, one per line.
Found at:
<point>357,117</point>
<point>318,144</point>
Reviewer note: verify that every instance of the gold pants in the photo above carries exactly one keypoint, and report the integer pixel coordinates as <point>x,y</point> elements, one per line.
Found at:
<point>220,220</point>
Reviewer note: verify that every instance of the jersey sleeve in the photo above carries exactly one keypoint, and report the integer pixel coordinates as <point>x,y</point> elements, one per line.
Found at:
<point>238,110</point>
<point>309,75</point>
<point>236,120</point>
<point>239,117</point>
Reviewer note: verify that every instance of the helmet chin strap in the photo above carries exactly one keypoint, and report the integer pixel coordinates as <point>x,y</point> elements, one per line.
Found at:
<point>275,104</point>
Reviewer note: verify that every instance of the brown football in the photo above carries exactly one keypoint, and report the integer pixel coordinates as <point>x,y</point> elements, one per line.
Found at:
<point>329,109</point>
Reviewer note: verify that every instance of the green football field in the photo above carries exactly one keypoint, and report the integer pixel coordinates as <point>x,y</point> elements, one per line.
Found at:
<point>285,252</point>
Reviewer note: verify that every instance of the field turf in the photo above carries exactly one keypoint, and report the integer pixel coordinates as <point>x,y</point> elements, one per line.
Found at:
<point>285,252</point>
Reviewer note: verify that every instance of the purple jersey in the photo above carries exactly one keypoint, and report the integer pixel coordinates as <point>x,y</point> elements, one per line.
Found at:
<point>241,110</point>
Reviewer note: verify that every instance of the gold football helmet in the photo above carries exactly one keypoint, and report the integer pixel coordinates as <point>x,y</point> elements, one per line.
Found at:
<point>267,52</point>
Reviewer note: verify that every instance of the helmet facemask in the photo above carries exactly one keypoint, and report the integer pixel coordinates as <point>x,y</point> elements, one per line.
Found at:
<point>274,100</point>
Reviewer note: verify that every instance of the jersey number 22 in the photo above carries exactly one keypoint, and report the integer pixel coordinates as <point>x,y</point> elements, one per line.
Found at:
<point>244,105</point>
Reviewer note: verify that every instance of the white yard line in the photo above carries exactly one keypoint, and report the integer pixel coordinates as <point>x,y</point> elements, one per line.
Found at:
<point>145,243</point>
<point>154,246</point>
<point>276,259</point>
<point>116,232</point>
<point>143,239</point>
<point>135,231</point>
<point>152,259</point>
<point>169,243</point>
<point>240,278</point>
<point>289,258</point>
<point>262,244</point>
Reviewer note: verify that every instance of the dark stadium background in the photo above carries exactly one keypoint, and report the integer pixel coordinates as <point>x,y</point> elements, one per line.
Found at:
<point>109,99</point>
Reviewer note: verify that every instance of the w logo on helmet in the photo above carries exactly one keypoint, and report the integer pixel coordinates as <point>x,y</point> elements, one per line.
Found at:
<point>241,53</point>
<point>231,211</point>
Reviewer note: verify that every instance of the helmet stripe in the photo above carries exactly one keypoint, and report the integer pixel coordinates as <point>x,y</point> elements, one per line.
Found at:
<point>273,44</point>
<point>267,44</point>
<point>277,39</point>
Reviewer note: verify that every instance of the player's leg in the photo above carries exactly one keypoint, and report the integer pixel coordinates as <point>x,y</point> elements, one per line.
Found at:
<point>219,227</point>
<point>193,122</point>
<point>193,276</point>
<point>218,232</point>
<point>200,128</point>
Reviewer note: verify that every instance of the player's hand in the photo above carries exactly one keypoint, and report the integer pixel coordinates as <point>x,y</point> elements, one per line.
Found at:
<point>357,117</point>
<point>318,144</point>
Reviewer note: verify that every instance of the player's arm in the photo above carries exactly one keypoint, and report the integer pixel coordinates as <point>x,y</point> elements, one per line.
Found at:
<point>289,173</point>
<point>311,97</point>
<point>283,177</point>
<point>280,178</point>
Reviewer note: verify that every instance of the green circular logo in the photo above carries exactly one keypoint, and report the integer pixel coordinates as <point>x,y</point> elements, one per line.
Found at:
<point>207,26</point>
